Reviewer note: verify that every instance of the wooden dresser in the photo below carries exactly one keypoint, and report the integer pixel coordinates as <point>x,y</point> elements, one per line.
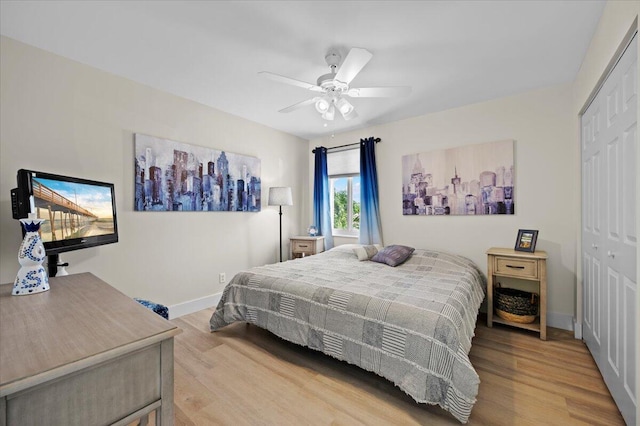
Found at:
<point>83,353</point>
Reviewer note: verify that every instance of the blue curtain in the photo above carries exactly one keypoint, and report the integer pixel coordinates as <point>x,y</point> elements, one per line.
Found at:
<point>370,227</point>
<point>321,203</point>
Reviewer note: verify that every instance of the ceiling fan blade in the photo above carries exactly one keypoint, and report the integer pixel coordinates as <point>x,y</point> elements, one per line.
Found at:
<point>353,64</point>
<point>299,105</point>
<point>292,81</point>
<point>379,92</point>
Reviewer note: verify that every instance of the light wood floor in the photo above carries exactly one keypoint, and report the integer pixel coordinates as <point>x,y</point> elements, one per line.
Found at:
<point>243,375</point>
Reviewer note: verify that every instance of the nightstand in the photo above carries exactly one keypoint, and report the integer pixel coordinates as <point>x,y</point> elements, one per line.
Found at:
<point>306,246</point>
<point>503,262</point>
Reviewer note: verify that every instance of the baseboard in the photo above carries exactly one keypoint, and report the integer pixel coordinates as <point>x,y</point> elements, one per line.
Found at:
<point>562,321</point>
<point>195,305</point>
<point>577,329</point>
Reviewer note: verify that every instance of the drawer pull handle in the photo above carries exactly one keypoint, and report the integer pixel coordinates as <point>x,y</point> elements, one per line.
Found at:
<point>303,245</point>
<point>515,267</point>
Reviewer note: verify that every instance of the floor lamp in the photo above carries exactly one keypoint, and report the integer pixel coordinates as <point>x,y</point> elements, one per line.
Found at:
<point>280,196</point>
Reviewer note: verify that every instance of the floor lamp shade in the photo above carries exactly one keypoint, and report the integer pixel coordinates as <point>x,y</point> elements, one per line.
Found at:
<point>280,196</point>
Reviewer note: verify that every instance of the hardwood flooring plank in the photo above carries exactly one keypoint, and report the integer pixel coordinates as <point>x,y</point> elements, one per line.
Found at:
<point>545,383</point>
<point>594,415</point>
<point>562,374</point>
<point>243,375</point>
<point>181,419</point>
<point>520,344</point>
<point>189,395</point>
<point>558,371</point>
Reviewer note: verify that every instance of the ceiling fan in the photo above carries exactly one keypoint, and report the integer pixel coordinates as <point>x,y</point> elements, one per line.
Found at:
<point>334,86</point>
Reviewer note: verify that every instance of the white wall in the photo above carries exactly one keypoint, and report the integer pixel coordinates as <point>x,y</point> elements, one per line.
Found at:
<point>541,124</point>
<point>63,117</point>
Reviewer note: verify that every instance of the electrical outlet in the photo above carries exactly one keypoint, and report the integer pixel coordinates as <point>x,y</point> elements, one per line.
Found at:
<point>223,278</point>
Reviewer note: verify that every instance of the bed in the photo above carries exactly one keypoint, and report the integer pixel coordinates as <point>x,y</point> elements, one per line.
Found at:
<point>411,324</point>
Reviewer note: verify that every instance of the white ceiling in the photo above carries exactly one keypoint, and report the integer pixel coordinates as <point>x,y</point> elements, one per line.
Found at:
<point>452,53</point>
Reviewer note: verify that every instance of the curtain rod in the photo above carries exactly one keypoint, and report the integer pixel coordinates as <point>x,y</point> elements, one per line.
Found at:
<point>376,140</point>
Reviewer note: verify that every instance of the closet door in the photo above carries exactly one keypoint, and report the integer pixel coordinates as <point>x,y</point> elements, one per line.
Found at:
<point>592,235</point>
<point>609,235</point>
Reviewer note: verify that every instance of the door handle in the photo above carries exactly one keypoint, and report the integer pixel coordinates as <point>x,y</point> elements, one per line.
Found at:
<point>594,246</point>
<point>611,254</point>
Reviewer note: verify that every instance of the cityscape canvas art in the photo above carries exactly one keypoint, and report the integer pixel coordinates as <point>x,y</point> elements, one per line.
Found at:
<point>469,180</point>
<point>175,176</point>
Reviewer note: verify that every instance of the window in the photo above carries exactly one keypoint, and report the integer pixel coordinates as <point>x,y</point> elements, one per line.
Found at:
<point>343,168</point>
<point>345,205</point>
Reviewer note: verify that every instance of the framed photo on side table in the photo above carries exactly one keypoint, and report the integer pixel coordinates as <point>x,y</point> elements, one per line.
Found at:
<point>526,241</point>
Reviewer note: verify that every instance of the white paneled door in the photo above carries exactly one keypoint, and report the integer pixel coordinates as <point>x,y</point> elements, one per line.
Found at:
<point>609,234</point>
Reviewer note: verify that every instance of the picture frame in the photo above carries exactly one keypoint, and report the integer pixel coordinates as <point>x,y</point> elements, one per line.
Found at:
<point>477,179</point>
<point>172,176</point>
<point>526,241</point>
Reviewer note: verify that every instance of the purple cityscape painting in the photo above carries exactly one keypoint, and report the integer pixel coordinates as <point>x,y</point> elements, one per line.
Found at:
<point>174,176</point>
<point>469,180</point>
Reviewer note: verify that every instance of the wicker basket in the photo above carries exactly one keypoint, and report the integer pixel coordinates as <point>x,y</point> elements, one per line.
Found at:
<point>516,305</point>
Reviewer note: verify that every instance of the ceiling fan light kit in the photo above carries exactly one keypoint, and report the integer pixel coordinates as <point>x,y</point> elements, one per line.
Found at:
<point>329,114</point>
<point>335,85</point>
<point>344,106</point>
<point>322,105</point>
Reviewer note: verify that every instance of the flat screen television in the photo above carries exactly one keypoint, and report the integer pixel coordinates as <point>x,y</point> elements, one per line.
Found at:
<point>79,213</point>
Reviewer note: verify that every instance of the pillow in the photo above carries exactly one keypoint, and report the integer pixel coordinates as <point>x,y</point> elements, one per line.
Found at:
<point>366,252</point>
<point>393,255</point>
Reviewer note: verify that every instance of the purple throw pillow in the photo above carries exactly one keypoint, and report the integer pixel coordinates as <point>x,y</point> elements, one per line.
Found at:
<point>393,255</point>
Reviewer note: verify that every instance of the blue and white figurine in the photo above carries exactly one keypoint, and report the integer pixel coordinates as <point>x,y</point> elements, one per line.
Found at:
<point>32,277</point>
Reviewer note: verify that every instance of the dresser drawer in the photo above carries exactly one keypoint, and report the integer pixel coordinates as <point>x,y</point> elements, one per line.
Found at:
<point>307,247</point>
<point>95,396</point>
<point>522,268</point>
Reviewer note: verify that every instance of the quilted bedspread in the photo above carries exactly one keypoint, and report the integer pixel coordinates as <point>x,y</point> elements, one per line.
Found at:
<point>411,324</point>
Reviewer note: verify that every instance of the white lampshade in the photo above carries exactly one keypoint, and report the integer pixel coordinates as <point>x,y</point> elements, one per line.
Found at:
<point>280,196</point>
